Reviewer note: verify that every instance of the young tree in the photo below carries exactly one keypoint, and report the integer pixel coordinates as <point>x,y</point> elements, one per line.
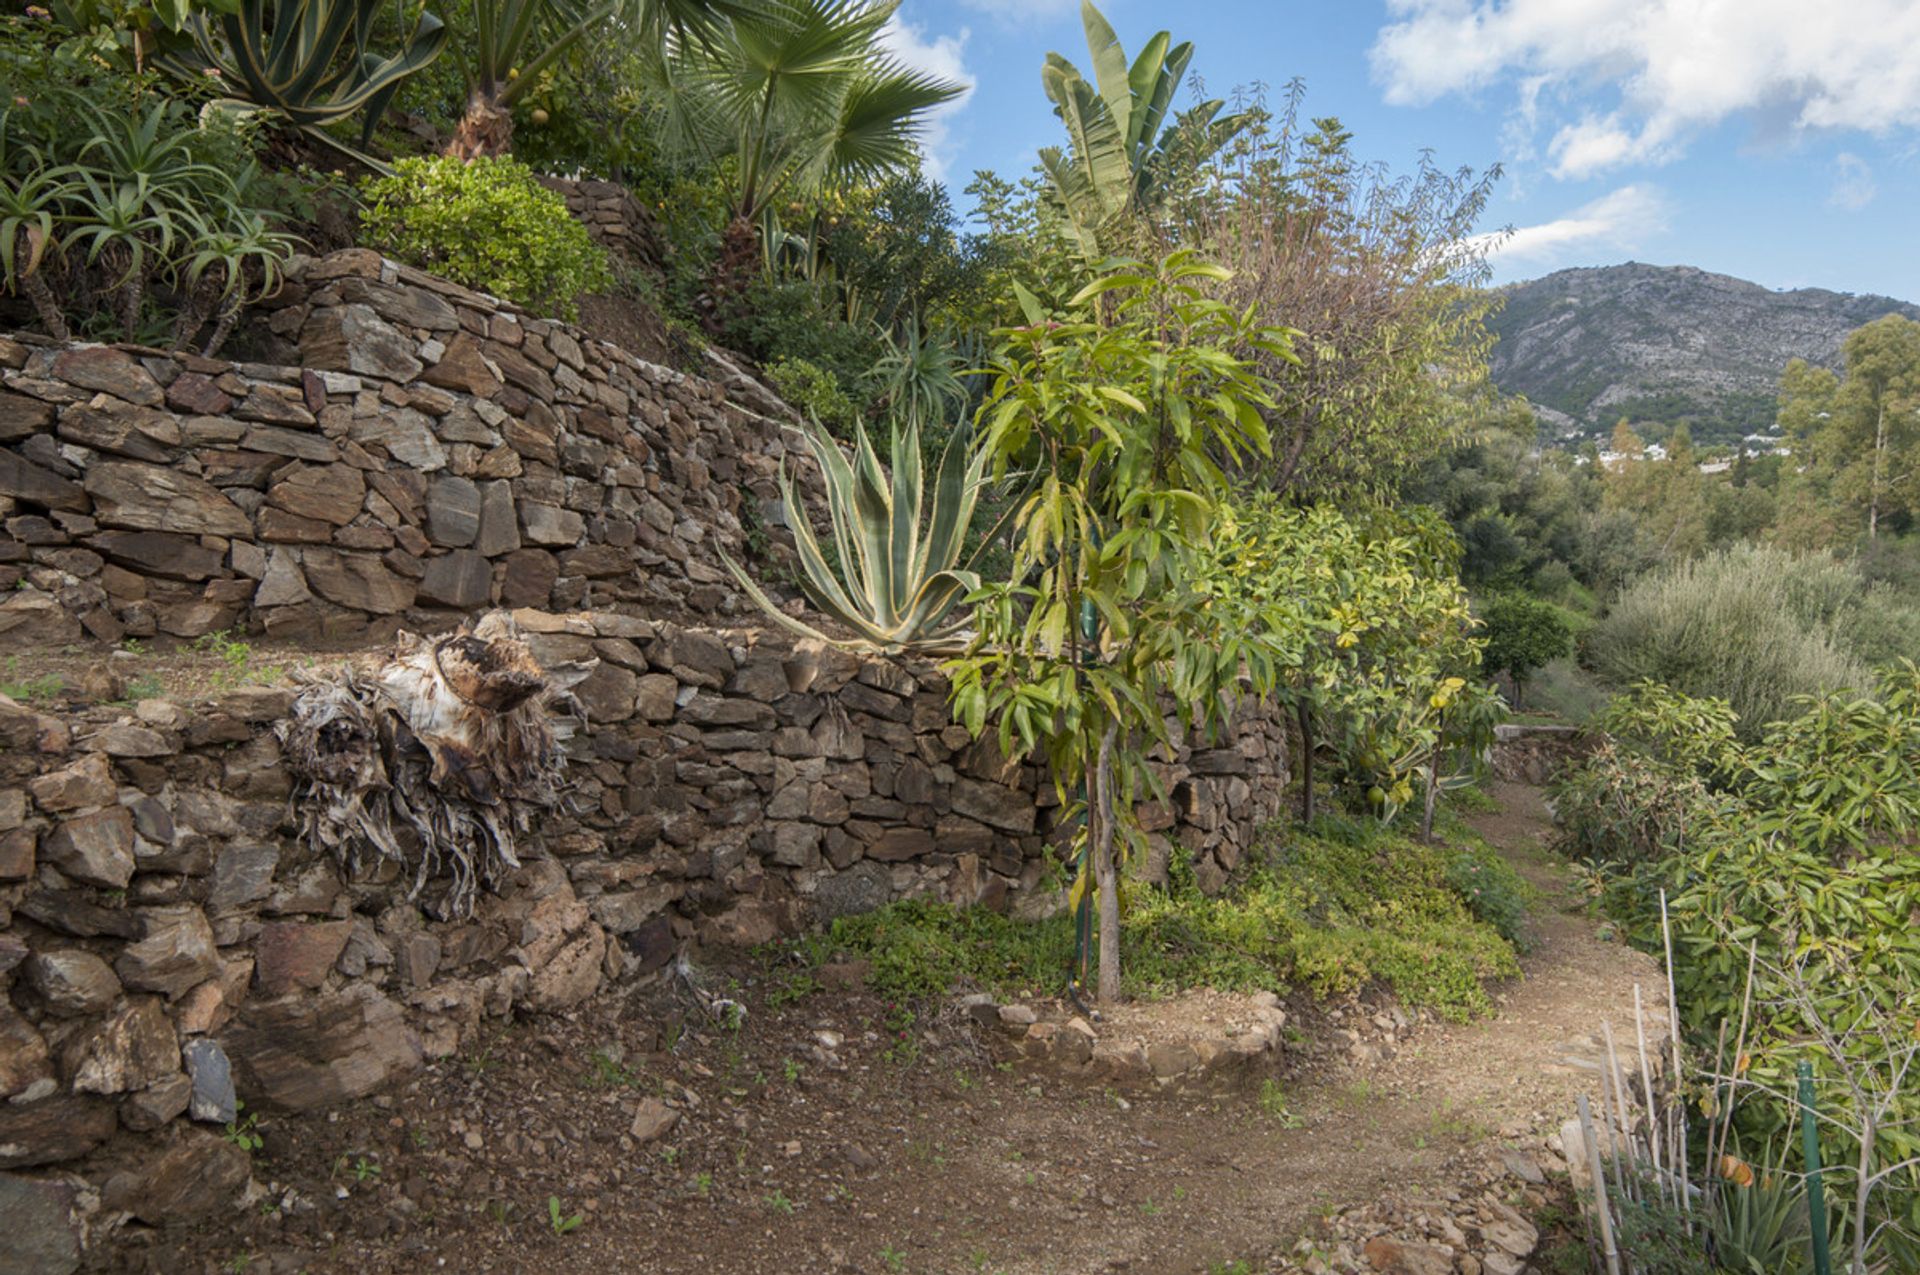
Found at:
<point>1128,414</point>
<point>1523,634</point>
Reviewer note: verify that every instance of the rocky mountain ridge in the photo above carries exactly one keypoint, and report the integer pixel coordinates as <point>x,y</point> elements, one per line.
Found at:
<point>1666,343</point>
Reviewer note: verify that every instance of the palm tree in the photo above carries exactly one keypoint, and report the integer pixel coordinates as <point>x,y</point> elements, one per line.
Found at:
<point>800,96</point>
<point>515,40</point>
<point>1121,162</point>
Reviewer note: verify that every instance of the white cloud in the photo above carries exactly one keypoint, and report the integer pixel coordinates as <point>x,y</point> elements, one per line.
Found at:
<point>1677,66</point>
<point>1024,12</point>
<point>941,55</point>
<point>1853,184</point>
<point>1620,221</point>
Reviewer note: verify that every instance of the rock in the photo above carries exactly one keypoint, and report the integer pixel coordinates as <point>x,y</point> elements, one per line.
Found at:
<point>282,584</point>
<point>124,739</point>
<point>111,371</point>
<point>1515,1236</point>
<point>357,580</point>
<point>352,338</point>
<point>405,435</point>
<point>1524,1167</point>
<point>196,394</point>
<point>608,693</point>
<point>748,923</point>
<point>196,1176</point>
<point>24,1058</point>
<point>242,875</point>
<point>995,805</point>
<point>72,981</point>
<point>297,954</point>
<point>131,1050</point>
<point>212,1099</point>
<point>529,578</point>
<point>325,493</point>
<point>52,1130</point>
<point>860,888</point>
<point>462,580</point>
<point>499,520</point>
<point>1390,1256</point>
<point>453,512</point>
<point>87,782</point>
<point>96,849</point>
<point>176,954</point>
<point>23,417</point>
<point>657,697</point>
<point>545,524</point>
<point>1169,1059</point>
<point>160,1103</point>
<point>652,1121</point>
<point>572,975</point>
<point>160,498</point>
<point>31,618</point>
<point>137,432</point>
<point>1018,1015</point>
<point>160,553</point>
<point>37,1219</point>
<point>307,1052</point>
<point>23,480</point>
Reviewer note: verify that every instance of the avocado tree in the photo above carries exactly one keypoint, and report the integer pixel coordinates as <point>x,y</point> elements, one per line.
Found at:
<point>1524,633</point>
<point>1127,413</point>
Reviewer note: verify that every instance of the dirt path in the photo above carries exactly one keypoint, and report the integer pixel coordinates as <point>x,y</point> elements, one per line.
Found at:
<point>795,1158</point>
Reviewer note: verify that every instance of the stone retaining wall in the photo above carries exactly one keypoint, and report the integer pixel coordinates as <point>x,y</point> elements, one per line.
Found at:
<point>167,941</point>
<point>412,452</point>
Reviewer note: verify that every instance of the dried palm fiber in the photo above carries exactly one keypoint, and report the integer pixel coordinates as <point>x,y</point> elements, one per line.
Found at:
<point>433,756</point>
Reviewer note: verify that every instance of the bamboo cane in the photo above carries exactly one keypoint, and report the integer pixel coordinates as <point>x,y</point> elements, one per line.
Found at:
<point>1646,1088</point>
<point>1599,1188</point>
<point>1673,1033</point>
<point>1630,1189</point>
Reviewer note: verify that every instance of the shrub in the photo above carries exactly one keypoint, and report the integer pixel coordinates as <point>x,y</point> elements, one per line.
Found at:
<point>1523,633</point>
<point>1340,905</point>
<point>814,391</point>
<point>488,225</point>
<point>1753,626</point>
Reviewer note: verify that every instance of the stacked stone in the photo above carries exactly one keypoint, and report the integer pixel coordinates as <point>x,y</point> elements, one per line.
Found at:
<point>420,451</point>
<point>613,217</point>
<point>163,927</point>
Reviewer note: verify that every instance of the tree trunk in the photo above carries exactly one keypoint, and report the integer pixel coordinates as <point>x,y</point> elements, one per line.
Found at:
<point>1106,871</point>
<point>1433,799</point>
<point>45,306</point>
<point>223,329</point>
<point>486,130</point>
<point>1306,762</point>
<point>1879,455</point>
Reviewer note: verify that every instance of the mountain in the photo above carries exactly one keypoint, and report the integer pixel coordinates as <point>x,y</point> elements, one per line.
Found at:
<point>1666,343</point>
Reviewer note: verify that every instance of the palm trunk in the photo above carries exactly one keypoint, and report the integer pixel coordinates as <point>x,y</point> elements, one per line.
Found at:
<point>1106,871</point>
<point>486,130</point>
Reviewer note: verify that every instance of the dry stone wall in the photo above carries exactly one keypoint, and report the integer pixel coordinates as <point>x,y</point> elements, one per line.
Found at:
<point>412,452</point>
<point>168,944</point>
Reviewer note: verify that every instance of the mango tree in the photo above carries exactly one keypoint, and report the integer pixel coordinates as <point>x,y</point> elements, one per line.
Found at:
<point>1127,411</point>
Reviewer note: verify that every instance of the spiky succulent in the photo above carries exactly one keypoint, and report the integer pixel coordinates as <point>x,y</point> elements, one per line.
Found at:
<point>896,581</point>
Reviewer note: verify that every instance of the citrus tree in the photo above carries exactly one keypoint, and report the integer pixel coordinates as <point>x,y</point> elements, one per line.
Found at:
<point>1127,407</point>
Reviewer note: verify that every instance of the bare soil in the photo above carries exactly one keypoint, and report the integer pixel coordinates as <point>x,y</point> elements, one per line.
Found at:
<point>827,1132</point>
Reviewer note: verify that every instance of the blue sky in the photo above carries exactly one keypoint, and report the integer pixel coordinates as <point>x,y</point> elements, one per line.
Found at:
<point>1776,140</point>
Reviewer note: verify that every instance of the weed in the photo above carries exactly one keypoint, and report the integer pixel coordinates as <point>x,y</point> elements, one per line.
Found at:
<point>791,1070</point>
<point>29,689</point>
<point>146,686</point>
<point>421,1139</point>
<point>670,1155</point>
<point>703,1184</point>
<point>498,1210</point>
<point>243,1133</point>
<point>1273,1103</point>
<point>893,1259</point>
<point>134,646</point>
<point>1229,1268</point>
<point>606,1071</point>
<point>558,1223</point>
<point>236,656</point>
<point>779,1203</point>
<point>238,1263</point>
<point>479,1062</point>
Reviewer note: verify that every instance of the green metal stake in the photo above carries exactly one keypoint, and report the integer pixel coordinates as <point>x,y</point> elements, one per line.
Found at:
<point>1816,1194</point>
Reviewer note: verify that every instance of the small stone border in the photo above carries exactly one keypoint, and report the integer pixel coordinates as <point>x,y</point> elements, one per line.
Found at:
<point>1118,1052</point>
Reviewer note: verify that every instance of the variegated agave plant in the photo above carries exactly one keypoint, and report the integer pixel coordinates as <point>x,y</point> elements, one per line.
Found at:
<point>898,580</point>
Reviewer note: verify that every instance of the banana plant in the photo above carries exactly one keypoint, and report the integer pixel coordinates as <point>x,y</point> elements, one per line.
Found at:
<point>310,60</point>
<point>1120,159</point>
<point>897,580</point>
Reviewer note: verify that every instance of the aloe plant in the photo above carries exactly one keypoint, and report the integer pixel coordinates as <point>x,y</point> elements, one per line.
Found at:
<point>310,60</point>
<point>29,198</point>
<point>898,580</point>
